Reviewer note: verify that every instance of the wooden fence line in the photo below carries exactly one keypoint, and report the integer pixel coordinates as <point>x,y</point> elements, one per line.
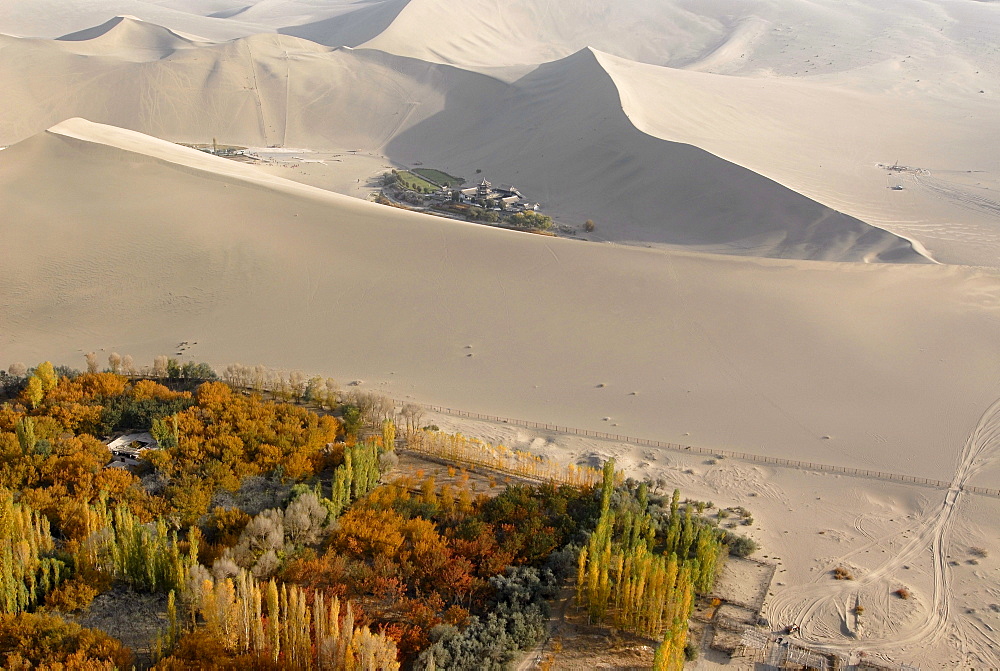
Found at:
<point>744,456</point>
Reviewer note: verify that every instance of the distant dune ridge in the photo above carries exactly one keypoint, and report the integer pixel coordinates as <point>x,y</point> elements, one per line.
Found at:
<point>766,35</point>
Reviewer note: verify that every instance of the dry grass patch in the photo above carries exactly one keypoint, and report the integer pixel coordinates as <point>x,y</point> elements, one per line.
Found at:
<point>841,573</point>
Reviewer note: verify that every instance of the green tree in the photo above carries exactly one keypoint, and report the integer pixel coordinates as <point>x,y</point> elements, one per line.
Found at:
<point>352,420</point>
<point>166,432</point>
<point>25,431</point>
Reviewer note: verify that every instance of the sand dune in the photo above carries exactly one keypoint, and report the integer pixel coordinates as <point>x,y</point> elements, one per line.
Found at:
<point>331,22</point>
<point>787,38</point>
<point>827,142</point>
<point>481,32</point>
<point>361,23</point>
<point>259,91</point>
<point>588,162</point>
<point>128,38</point>
<point>146,244</point>
<point>888,44</point>
<point>55,18</point>
<point>559,132</point>
<point>279,90</point>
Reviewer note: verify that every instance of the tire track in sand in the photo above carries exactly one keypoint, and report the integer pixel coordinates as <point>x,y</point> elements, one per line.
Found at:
<point>808,604</point>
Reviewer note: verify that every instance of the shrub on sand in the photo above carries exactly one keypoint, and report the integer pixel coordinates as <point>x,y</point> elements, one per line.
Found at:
<point>841,573</point>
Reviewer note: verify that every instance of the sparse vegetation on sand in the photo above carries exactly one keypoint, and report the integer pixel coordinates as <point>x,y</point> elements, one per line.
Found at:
<point>741,546</point>
<point>841,573</point>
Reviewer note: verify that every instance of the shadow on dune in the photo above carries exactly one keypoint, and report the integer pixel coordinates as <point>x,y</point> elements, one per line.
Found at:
<point>560,134</point>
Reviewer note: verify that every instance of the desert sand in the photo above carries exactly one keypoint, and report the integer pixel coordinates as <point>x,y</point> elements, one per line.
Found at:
<point>755,283</point>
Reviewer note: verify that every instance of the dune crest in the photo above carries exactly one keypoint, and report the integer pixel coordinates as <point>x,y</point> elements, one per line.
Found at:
<point>128,38</point>
<point>795,132</point>
<point>144,147</point>
<point>797,38</point>
<point>350,28</point>
<point>54,18</point>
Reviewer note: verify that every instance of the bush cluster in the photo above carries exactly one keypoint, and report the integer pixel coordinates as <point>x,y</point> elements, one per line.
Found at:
<point>516,621</point>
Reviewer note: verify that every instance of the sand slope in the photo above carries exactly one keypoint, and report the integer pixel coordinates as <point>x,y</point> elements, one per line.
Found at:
<point>827,142</point>
<point>358,24</point>
<point>127,38</point>
<point>887,44</point>
<point>259,91</point>
<point>332,22</point>
<point>918,87</point>
<point>117,240</point>
<point>485,32</point>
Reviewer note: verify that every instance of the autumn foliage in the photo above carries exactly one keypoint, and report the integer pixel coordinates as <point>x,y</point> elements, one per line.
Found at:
<point>279,539</point>
<point>38,640</point>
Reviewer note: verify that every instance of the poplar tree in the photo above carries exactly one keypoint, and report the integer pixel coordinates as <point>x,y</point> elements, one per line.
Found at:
<point>297,635</point>
<point>388,436</point>
<point>25,431</point>
<point>653,585</point>
<point>34,393</point>
<point>47,374</point>
<point>27,573</point>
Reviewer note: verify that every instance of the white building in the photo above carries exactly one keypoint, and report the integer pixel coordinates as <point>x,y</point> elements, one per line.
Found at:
<point>125,450</point>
